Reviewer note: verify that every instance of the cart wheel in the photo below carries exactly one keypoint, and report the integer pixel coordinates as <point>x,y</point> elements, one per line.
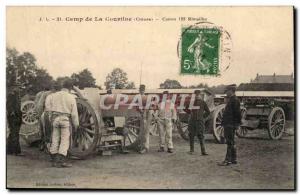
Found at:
<point>135,127</point>
<point>242,131</point>
<point>85,139</point>
<point>29,115</point>
<point>218,130</point>
<point>276,123</point>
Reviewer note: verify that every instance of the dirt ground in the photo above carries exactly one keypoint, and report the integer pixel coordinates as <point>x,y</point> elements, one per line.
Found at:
<point>263,164</point>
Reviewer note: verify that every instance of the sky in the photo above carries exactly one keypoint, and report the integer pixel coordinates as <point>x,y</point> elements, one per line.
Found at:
<point>262,39</point>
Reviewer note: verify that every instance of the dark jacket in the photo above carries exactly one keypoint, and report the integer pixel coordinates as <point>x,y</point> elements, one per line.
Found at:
<point>14,120</point>
<point>201,113</point>
<point>13,109</point>
<point>232,113</point>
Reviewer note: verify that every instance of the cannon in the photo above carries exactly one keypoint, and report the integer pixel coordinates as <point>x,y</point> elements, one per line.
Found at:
<point>213,121</point>
<point>98,129</point>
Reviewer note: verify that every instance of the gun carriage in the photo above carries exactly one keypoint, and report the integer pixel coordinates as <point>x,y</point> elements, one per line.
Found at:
<point>101,129</point>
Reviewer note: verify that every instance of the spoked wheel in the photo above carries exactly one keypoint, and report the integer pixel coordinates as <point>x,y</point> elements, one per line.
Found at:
<point>242,131</point>
<point>134,127</point>
<point>218,129</point>
<point>29,115</point>
<point>85,139</point>
<point>276,123</point>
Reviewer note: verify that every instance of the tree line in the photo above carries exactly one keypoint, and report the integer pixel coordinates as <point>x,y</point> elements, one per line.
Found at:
<point>23,68</point>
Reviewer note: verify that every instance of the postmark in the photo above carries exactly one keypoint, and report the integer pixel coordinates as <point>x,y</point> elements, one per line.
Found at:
<point>204,49</point>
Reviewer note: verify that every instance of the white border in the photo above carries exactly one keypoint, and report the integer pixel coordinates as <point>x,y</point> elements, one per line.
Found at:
<point>5,3</point>
<point>151,2</point>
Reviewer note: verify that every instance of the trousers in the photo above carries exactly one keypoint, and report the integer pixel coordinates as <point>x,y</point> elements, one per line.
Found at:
<point>229,134</point>
<point>60,135</point>
<point>196,128</point>
<point>165,132</point>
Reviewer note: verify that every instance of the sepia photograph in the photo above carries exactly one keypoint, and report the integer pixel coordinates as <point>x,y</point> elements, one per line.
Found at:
<point>150,97</point>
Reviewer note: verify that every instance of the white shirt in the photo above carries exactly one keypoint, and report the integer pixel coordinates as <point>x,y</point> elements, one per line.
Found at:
<point>48,102</point>
<point>166,110</point>
<point>63,102</point>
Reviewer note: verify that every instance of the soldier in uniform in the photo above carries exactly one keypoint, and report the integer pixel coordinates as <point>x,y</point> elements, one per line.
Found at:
<point>63,113</point>
<point>166,116</point>
<point>196,125</point>
<point>45,118</point>
<point>231,120</point>
<point>146,136</point>
<point>14,119</point>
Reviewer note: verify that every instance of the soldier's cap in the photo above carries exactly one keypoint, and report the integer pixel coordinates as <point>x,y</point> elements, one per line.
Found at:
<point>197,91</point>
<point>142,87</point>
<point>230,87</point>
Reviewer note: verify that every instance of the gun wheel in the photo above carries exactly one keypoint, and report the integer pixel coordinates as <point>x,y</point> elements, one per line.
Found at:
<point>135,129</point>
<point>29,115</point>
<point>85,139</point>
<point>218,129</point>
<point>276,123</point>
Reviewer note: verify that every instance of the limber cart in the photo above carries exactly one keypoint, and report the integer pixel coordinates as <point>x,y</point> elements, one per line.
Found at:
<point>265,110</point>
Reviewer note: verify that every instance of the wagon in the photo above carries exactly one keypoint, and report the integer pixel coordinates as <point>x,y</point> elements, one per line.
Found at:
<point>102,130</point>
<point>265,110</point>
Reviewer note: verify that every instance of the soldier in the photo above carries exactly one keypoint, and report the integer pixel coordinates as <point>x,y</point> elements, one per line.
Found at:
<point>14,119</point>
<point>166,116</point>
<point>196,125</point>
<point>63,112</point>
<point>231,120</point>
<point>45,118</point>
<point>146,117</point>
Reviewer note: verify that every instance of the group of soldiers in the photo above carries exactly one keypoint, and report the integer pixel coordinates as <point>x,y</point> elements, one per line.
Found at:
<point>61,111</point>
<point>165,116</point>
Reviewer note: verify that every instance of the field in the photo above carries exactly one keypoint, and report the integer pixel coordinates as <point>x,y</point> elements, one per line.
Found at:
<point>263,164</point>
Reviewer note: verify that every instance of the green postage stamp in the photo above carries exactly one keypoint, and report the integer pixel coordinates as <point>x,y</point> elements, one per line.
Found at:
<point>200,51</point>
